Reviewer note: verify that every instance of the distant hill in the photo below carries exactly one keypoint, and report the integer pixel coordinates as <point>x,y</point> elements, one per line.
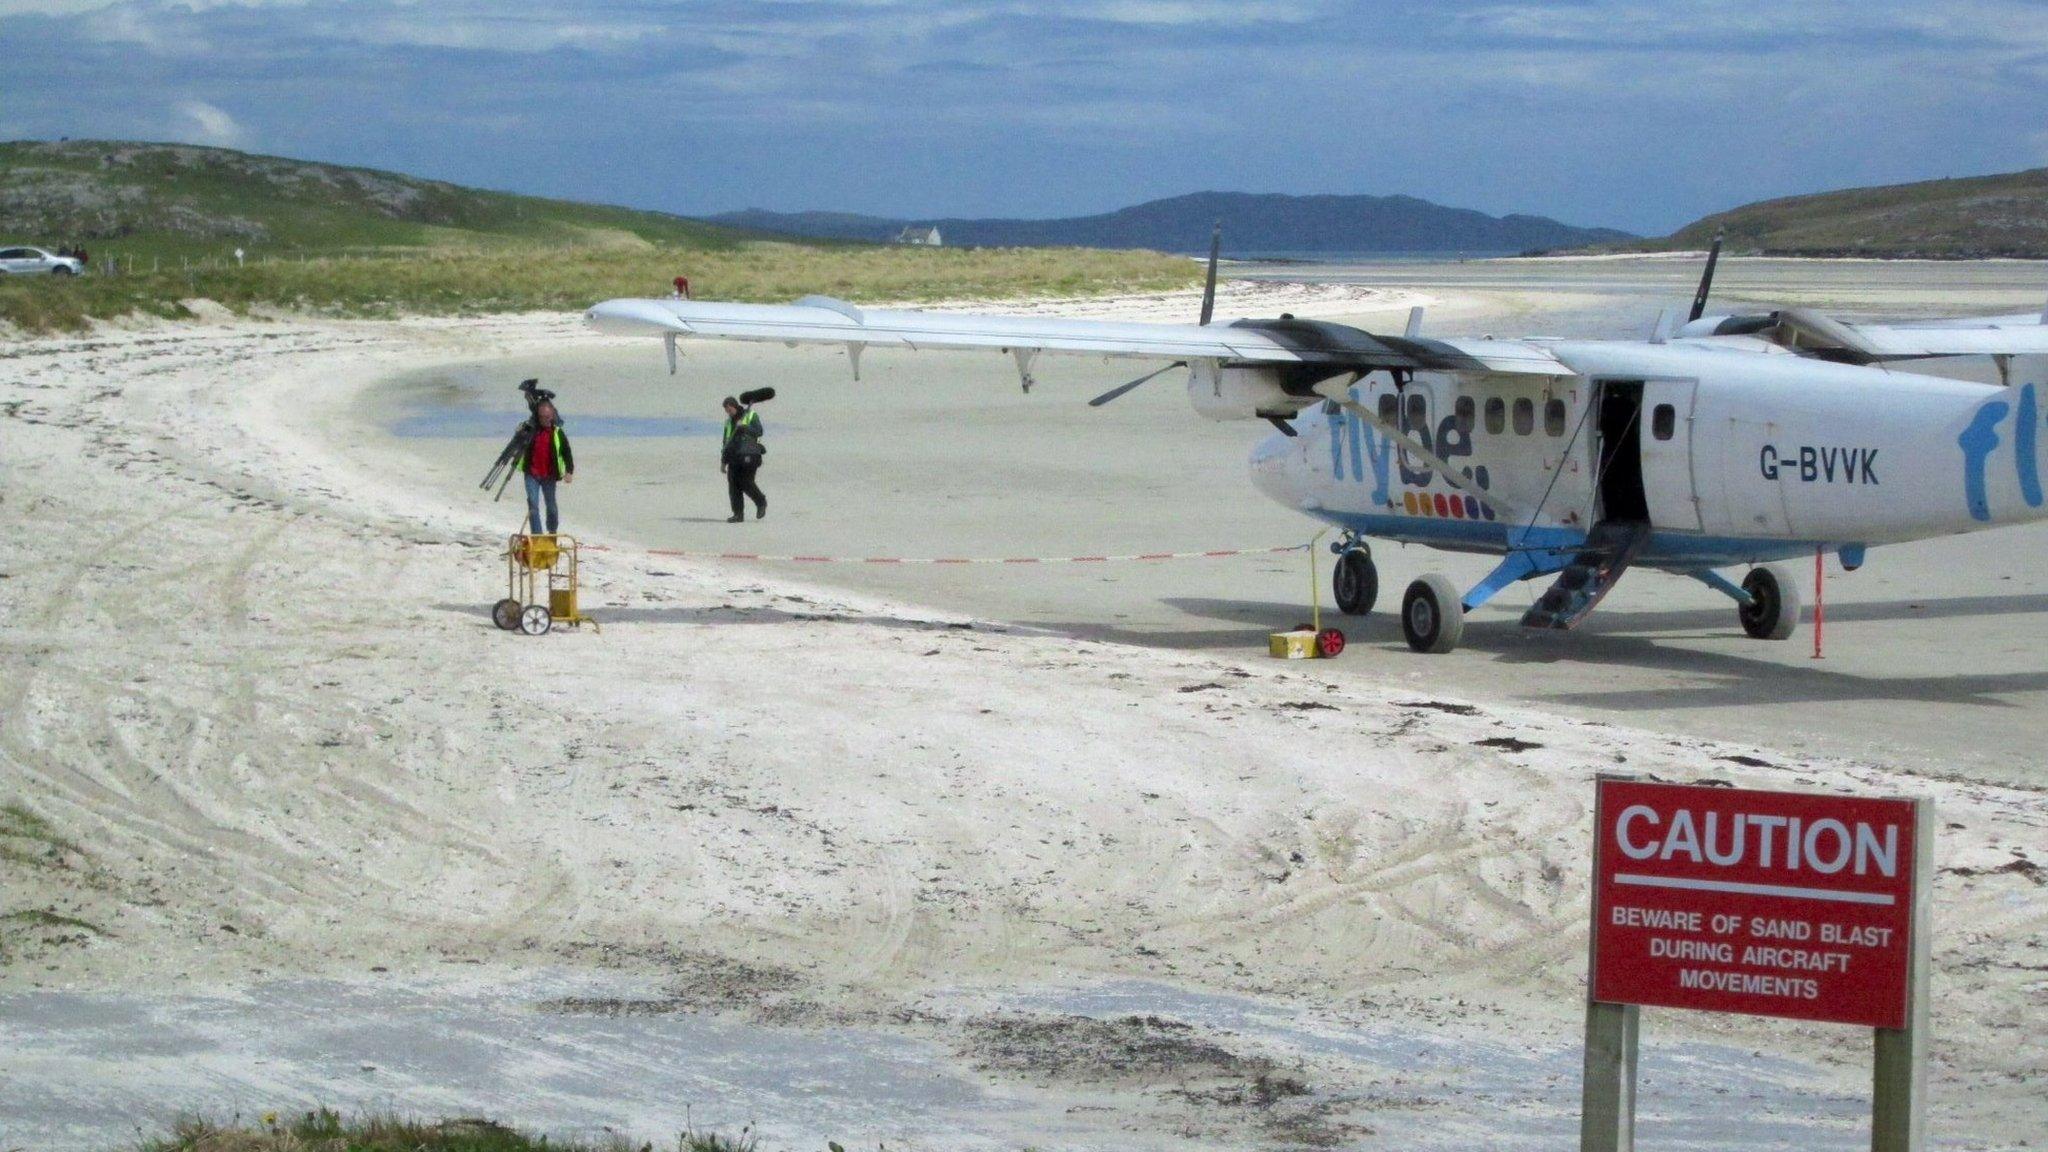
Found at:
<point>162,223</point>
<point>1974,217</point>
<point>179,197</point>
<point>1251,223</point>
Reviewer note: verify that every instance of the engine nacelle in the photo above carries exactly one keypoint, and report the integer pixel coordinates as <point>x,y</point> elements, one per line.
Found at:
<point>1241,393</point>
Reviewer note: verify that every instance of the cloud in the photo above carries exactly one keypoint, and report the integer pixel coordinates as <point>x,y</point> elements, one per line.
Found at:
<point>1638,113</point>
<point>205,123</point>
<point>51,7</point>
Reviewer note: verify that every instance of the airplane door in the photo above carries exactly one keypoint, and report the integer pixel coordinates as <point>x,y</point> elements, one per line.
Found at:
<point>1667,440</point>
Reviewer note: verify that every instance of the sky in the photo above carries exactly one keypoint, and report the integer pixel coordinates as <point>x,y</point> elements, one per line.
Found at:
<point>1636,114</point>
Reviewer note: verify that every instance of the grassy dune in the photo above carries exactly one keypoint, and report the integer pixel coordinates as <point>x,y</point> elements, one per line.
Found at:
<point>1972,218</point>
<point>359,242</point>
<point>457,282</point>
<point>181,200</point>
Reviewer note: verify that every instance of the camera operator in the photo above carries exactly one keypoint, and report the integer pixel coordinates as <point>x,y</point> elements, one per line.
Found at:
<point>545,459</point>
<point>539,449</point>
<point>740,452</point>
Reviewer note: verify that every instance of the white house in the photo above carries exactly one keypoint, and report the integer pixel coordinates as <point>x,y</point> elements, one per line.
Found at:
<point>926,236</point>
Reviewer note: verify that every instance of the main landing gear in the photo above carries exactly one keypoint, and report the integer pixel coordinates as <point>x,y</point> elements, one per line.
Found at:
<point>1773,609</point>
<point>1432,616</point>
<point>1767,600</point>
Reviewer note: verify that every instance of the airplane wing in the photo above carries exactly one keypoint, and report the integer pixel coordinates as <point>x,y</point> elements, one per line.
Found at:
<point>2024,334</point>
<point>822,320</point>
<point>1816,333</point>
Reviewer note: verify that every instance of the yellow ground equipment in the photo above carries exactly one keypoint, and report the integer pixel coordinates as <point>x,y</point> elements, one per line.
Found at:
<point>1309,641</point>
<point>540,585</point>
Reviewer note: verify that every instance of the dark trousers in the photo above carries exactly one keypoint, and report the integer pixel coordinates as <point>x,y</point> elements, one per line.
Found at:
<point>739,484</point>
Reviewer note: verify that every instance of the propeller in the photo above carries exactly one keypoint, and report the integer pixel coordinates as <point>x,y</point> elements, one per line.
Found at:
<point>1209,286</point>
<point>1120,389</point>
<point>1699,299</point>
<point>1208,313</point>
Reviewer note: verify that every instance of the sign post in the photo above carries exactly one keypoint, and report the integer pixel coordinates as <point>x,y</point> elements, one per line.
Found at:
<point>1806,906</point>
<point>1898,1097</point>
<point>1607,1117</point>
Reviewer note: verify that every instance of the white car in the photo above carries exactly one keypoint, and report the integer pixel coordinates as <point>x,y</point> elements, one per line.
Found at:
<point>35,261</point>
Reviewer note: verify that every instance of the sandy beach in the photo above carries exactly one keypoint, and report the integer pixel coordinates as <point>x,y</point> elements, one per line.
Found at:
<point>1061,860</point>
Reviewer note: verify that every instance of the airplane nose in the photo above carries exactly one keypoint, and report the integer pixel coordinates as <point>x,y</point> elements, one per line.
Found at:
<point>1272,468</point>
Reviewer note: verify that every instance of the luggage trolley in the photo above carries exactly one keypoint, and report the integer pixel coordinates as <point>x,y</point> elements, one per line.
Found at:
<point>540,585</point>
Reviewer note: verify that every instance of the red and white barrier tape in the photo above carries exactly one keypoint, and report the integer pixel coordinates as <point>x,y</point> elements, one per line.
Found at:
<point>1142,556</point>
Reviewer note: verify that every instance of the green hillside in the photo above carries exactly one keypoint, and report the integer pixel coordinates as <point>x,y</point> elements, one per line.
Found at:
<point>341,241</point>
<point>1976,217</point>
<point>179,199</point>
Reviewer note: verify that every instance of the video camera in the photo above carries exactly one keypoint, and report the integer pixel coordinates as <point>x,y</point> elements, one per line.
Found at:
<point>535,394</point>
<point>535,397</point>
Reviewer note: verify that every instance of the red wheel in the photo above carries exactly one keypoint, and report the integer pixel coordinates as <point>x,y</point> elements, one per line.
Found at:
<point>1330,641</point>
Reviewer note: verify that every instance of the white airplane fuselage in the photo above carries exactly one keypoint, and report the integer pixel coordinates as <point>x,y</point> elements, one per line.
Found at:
<point>1734,440</point>
<point>1745,454</point>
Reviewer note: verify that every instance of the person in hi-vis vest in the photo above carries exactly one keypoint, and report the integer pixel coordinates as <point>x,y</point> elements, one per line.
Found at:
<point>545,460</point>
<point>739,457</point>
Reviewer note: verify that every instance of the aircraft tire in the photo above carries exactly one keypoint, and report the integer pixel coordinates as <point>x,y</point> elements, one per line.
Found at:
<point>1356,582</point>
<point>1774,611</point>
<point>1432,616</point>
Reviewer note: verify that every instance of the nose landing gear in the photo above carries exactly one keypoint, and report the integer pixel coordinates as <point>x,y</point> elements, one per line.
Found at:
<point>1355,581</point>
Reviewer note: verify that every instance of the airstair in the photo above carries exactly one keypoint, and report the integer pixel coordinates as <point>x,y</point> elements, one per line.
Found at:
<point>1609,549</point>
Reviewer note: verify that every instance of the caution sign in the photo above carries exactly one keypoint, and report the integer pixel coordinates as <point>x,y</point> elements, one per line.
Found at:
<point>1764,903</point>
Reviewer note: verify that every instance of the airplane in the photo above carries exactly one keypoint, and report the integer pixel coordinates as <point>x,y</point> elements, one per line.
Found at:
<point>1723,441</point>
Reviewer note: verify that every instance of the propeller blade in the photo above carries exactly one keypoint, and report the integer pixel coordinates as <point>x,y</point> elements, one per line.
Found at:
<point>1209,287</point>
<point>1699,299</point>
<point>1120,389</point>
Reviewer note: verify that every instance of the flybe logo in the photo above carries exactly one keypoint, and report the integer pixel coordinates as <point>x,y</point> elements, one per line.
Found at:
<point>1360,449</point>
<point>1981,438</point>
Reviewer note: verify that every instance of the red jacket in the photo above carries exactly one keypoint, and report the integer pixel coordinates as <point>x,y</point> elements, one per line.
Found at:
<point>551,459</point>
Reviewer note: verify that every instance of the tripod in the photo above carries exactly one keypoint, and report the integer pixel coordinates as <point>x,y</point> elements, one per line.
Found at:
<point>535,397</point>
<point>513,449</point>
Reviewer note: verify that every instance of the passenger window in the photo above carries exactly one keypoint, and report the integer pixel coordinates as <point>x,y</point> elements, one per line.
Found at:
<point>1390,408</point>
<point>1418,411</point>
<point>1663,421</point>
<point>1525,416</point>
<point>1468,414</point>
<point>1553,417</point>
<point>1496,416</point>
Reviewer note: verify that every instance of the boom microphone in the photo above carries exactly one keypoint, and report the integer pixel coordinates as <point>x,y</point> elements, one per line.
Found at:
<point>756,396</point>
